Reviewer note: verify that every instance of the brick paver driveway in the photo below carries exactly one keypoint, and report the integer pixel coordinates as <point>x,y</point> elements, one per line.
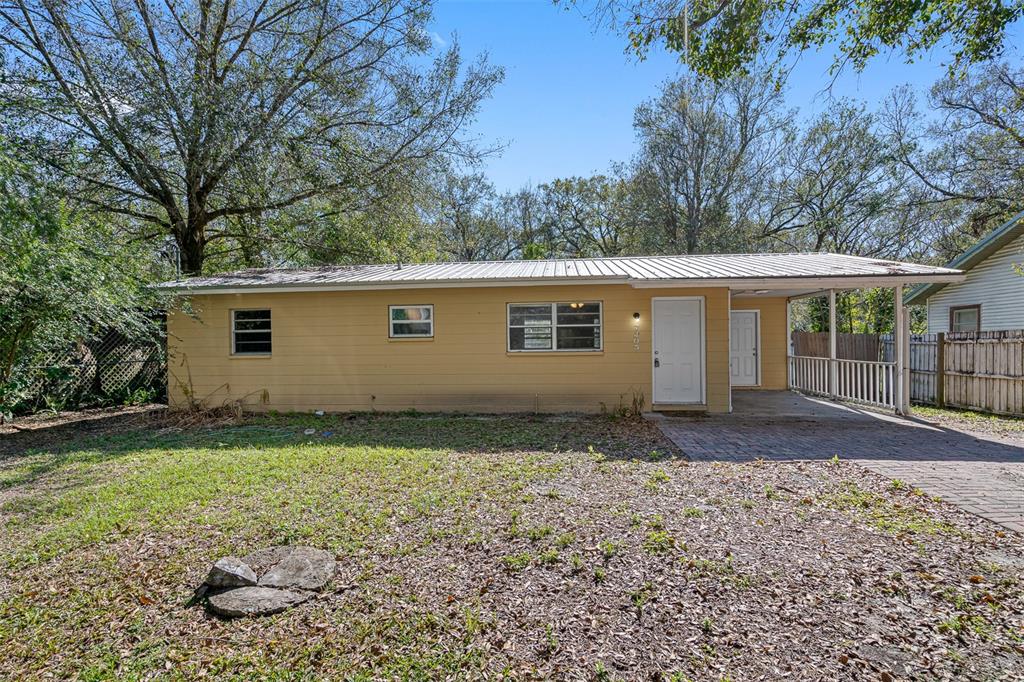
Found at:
<point>982,474</point>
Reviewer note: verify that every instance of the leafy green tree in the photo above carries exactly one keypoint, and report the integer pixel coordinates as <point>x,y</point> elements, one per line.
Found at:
<point>721,38</point>
<point>387,224</point>
<point>199,119</point>
<point>860,311</point>
<point>591,216</point>
<point>61,279</point>
<point>463,214</point>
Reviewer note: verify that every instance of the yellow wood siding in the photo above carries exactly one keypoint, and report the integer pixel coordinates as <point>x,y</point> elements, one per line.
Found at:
<point>331,351</point>
<point>774,345</point>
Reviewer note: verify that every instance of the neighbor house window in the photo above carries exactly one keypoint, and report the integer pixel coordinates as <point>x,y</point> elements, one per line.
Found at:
<point>965,318</point>
<point>554,326</point>
<point>411,321</point>
<point>250,332</point>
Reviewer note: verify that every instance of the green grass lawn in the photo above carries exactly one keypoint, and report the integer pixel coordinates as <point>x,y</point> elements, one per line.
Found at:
<point>482,546</point>
<point>971,420</point>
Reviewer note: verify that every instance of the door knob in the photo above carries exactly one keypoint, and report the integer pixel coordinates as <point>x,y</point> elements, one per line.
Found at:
<point>657,362</point>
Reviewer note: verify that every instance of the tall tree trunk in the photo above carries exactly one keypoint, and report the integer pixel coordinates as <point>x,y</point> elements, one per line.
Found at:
<point>692,229</point>
<point>192,245</point>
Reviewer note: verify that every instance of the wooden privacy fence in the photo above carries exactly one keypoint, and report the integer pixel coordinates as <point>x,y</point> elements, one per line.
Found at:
<point>848,346</point>
<point>983,371</point>
<point>972,370</point>
<point>922,361</point>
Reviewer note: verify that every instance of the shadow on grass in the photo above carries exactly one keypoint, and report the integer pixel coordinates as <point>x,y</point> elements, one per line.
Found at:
<point>470,433</point>
<point>74,425</point>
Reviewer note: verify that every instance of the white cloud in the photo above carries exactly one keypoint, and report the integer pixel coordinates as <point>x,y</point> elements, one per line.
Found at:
<point>437,40</point>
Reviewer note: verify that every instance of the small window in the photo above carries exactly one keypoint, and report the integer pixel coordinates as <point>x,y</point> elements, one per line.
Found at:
<point>965,318</point>
<point>554,326</point>
<point>411,321</point>
<point>250,332</point>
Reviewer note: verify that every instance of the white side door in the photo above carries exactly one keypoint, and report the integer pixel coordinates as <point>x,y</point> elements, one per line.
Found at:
<point>743,341</point>
<point>678,350</point>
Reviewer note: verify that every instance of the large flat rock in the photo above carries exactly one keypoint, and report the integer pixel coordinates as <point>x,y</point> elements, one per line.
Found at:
<point>231,571</point>
<point>262,560</point>
<point>301,568</point>
<point>254,601</point>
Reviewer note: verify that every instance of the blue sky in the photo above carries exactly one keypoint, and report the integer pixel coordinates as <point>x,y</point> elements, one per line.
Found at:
<point>566,105</point>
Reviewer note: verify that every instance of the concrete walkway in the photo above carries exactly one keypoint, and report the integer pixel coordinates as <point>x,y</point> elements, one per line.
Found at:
<point>982,474</point>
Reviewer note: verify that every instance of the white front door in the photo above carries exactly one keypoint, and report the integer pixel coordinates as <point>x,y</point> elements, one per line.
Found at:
<point>743,363</point>
<point>678,350</point>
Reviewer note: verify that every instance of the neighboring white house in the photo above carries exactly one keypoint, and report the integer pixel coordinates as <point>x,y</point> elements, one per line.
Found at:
<point>991,297</point>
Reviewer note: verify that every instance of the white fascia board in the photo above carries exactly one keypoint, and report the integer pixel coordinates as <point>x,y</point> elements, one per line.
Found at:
<point>781,283</point>
<point>815,283</point>
<point>377,286</point>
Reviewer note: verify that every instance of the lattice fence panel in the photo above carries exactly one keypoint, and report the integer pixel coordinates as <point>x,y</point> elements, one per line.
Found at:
<point>108,369</point>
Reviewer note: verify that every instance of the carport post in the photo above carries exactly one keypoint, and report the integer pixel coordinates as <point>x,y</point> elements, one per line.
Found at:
<point>900,397</point>
<point>833,368</point>
<point>789,343</point>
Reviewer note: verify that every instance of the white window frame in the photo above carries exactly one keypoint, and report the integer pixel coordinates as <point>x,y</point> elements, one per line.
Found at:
<point>955,309</point>
<point>554,328</point>
<point>234,332</point>
<point>392,320</point>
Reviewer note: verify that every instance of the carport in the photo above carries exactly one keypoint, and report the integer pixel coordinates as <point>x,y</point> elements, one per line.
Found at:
<point>876,383</point>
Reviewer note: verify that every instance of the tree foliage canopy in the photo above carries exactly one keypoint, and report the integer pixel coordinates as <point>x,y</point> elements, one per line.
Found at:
<point>705,147</point>
<point>61,279</point>
<point>721,38</point>
<point>968,155</point>
<point>194,117</point>
<point>839,188</point>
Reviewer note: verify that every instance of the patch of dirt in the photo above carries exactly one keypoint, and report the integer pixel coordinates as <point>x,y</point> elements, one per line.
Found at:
<point>722,571</point>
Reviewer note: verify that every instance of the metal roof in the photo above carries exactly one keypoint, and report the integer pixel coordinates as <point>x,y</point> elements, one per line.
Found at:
<point>720,268</point>
<point>982,249</point>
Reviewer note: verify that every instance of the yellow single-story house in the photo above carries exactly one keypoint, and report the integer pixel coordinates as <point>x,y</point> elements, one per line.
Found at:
<point>580,335</point>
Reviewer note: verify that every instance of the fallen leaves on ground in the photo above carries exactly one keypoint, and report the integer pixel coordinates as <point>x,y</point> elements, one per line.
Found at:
<point>483,546</point>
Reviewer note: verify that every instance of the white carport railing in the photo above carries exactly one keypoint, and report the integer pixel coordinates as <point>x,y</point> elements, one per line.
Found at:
<point>857,381</point>
<point>882,384</point>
